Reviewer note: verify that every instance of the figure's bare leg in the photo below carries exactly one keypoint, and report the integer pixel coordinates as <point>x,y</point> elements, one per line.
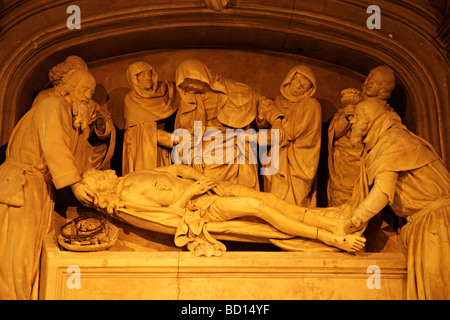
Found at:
<point>268,198</point>
<point>235,207</point>
<point>295,212</point>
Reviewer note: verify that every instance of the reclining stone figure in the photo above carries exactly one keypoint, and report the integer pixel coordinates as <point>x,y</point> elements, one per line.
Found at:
<point>179,198</point>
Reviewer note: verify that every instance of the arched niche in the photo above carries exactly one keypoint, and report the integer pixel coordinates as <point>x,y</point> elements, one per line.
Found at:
<point>332,32</point>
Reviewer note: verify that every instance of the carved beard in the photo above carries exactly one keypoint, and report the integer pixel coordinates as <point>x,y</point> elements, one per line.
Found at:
<point>81,115</point>
<point>357,132</point>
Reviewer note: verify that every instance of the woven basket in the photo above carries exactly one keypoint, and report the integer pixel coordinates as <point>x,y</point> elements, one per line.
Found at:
<point>73,239</point>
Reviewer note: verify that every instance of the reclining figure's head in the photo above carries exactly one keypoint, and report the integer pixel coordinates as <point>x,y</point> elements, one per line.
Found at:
<point>100,181</point>
<point>104,183</point>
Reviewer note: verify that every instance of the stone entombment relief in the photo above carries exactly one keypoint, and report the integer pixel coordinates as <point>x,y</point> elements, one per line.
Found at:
<point>201,203</point>
<point>206,209</point>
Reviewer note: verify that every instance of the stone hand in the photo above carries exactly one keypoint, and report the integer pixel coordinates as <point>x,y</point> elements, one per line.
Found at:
<point>347,226</point>
<point>84,193</point>
<point>277,125</point>
<point>203,186</point>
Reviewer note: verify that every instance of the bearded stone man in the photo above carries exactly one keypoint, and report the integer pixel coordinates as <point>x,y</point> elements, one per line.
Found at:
<point>46,151</point>
<point>102,134</point>
<point>404,171</point>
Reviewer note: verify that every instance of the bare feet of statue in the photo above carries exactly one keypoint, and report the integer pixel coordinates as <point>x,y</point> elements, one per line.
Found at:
<point>350,243</point>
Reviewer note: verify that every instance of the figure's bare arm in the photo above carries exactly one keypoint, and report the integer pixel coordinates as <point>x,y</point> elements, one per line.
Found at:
<point>379,196</point>
<point>186,172</point>
<point>183,199</point>
<point>196,188</point>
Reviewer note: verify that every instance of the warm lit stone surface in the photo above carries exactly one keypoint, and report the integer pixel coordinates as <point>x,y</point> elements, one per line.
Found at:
<point>155,270</point>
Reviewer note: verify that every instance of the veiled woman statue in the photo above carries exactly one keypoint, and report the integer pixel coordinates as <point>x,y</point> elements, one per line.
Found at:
<point>299,151</point>
<point>149,103</point>
<point>220,104</point>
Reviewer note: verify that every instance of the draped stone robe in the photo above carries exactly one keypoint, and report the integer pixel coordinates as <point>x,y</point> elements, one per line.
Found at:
<point>145,114</point>
<point>44,151</point>
<point>229,105</point>
<point>421,194</point>
<point>296,178</point>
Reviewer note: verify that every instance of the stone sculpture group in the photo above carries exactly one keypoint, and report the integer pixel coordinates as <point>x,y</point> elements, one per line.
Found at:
<point>202,185</point>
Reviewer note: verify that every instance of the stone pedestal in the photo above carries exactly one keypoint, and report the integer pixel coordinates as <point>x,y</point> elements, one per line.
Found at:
<point>236,275</point>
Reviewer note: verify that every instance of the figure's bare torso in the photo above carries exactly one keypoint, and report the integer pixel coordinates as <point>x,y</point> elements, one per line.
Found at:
<point>152,187</point>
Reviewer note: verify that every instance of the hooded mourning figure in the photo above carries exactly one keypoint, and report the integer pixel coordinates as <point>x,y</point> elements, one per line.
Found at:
<point>299,153</point>
<point>221,104</point>
<point>147,106</point>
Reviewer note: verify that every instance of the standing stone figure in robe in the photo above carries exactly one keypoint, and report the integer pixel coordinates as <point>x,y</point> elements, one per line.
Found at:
<point>46,151</point>
<point>219,104</point>
<point>102,132</point>
<point>343,158</point>
<point>147,106</point>
<point>299,152</point>
<point>404,171</point>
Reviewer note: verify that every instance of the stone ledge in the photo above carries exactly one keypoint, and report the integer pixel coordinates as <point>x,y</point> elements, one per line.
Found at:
<point>236,275</point>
